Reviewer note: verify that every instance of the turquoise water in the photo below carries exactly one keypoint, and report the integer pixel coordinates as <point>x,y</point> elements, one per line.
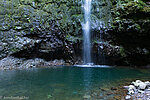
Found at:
<point>63,83</point>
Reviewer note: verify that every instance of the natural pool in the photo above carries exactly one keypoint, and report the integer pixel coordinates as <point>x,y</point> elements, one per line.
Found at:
<point>66,83</point>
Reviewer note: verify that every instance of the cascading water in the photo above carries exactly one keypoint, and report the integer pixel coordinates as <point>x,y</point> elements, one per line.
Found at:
<point>86,32</point>
<point>97,14</point>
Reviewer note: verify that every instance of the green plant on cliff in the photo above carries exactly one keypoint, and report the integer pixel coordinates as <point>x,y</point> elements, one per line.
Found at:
<point>13,49</point>
<point>36,1</point>
<point>122,52</point>
<point>140,2</point>
<point>32,29</point>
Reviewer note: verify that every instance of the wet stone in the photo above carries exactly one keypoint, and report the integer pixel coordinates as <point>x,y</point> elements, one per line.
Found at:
<point>113,88</point>
<point>139,90</point>
<point>86,97</point>
<point>128,97</point>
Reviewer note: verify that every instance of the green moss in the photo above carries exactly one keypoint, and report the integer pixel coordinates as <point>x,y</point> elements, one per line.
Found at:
<point>37,1</point>
<point>15,36</point>
<point>140,2</point>
<point>95,41</point>
<point>138,26</point>
<point>32,29</point>
<point>13,49</point>
<point>72,38</point>
<point>146,9</point>
<point>122,52</point>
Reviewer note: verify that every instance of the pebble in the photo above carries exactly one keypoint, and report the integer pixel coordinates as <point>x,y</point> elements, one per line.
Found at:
<point>86,97</point>
<point>113,88</point>
<point>126,87</point>
<point>128,97</point>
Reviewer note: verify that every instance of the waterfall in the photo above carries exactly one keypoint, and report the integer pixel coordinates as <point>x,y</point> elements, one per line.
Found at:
<point>86,32</point>
<point>97,15</point>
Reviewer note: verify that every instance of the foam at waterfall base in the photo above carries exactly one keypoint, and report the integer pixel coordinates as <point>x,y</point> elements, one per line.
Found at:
<point>92,65</point>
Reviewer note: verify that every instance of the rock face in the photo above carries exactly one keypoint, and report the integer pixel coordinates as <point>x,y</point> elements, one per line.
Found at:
<point>49,29</point>
<point>130,30</point>
<point>9,63</point>
<point>33,28</point>
<point>52,29</point>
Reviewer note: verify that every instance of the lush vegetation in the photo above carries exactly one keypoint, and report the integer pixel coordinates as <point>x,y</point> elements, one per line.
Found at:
<point>50,27</point>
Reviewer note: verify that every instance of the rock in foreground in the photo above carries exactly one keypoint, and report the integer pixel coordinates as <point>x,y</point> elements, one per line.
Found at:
<point>138,90</point>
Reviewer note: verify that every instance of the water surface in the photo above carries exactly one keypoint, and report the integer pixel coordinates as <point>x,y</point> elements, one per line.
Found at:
<point>63,83</point>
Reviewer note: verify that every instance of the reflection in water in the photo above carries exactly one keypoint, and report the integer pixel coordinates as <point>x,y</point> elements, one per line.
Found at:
<point>87,79</point>
<point>67,83</point>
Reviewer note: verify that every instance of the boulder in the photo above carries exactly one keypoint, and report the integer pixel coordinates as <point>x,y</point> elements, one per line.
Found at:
<point>132,87</point>
<point>142,85</point>
<point>147,83</point>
